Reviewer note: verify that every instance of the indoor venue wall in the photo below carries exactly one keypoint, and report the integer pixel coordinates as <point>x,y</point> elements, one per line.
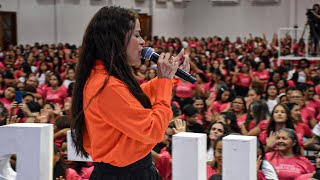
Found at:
<point>48,21</point>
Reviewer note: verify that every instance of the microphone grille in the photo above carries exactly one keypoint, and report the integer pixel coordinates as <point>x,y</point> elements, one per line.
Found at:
<point>146,53</point>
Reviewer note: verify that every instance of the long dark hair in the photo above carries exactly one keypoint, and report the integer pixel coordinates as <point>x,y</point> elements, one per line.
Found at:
<point>272,123</point>
<point>223,89</point>
<point>233,125</point>
<point>267,88</point>
<point>225,132</point>
<point>106,38</point>
<point>260,112</point>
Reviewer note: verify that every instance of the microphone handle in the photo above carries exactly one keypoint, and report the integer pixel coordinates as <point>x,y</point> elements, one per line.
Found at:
<point>180,73</point>
<point>185,76</point>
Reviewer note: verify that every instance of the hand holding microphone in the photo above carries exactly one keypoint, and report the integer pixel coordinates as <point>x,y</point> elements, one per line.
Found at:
<point>166,66</point>
<point>181,60</point>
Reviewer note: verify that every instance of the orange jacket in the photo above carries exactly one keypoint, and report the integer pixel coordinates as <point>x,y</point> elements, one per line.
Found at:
<point>118,129</point>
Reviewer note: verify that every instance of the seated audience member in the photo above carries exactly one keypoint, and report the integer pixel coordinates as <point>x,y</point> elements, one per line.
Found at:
<point>163,160</point>
<point>254,94</point>
<point>307,113</point>
<point>58,165</point>
<point>302,130</point>
<point>265,166</point>
<point>287,160</point>
<point>280,118</point>
<point>257,119</point>
<point>214,131</point>
<point>8,97</point>
<point>61,127</point>
<point>230,120</point>
<point>222,102</point>
<point>239,107</point>
<point>75,170</point>
<point>215,169</point>
<point>55,92</point>
<point>191,114</point>
<point>271,96</point>
<point>242,80</point>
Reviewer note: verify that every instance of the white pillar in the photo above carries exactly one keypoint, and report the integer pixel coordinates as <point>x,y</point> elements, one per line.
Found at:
<point>239,157</point>
<point>33,145</point>
<point>72,156</point>
<point>189,153</point>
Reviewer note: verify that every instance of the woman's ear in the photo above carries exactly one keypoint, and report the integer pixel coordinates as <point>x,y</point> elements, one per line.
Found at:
<point>228,122</point>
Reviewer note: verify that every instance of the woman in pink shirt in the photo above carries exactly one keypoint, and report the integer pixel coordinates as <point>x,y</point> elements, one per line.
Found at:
<point>280,118</point>
<point>75,170</point>
<point>184,92</point>
<point>311,102</point>
<point>282,85</point>
<point>214,131</point>
<point>223,100</point>
<point>238,106</point>
<point>210,87</point>
<point>257,119</point>
<point>307,113</point>
<point>215,169</point>
<point>302,129</point>
<point>287,160</point>
<point>242,80</point>
<point>261,75</point>
<point>201,84</point>
<point>254,94</point>
<point>55,92</point>
<point>8,97</point>
<point>163,160</point>
<point>199,104</point>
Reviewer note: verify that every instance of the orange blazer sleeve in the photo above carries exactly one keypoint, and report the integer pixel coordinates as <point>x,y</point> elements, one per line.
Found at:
<point>128,116</point>
<point>149,88</point>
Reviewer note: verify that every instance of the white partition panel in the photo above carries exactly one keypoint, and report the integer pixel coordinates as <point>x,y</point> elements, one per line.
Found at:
<point>33,145</point>
<point>239,157</point>
<point>189,155</point>
<point>72,156</point>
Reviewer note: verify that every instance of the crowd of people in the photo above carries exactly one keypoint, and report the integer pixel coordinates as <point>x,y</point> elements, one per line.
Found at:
<point>241,89</point>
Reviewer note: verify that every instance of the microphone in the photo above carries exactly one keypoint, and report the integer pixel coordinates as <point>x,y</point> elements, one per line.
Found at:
<point>148,54</point>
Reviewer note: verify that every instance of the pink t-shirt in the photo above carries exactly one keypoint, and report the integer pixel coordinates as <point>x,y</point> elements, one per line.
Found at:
<point>314,106</point>
<point>304,177</point>
<point>307,114</point>
<point>303,130</point>
<point>317,89</point>
<point>59,141</point>
<point>243,80</point>
<point>164,164</point>
<point>289,168</point>
<point>206,87</point>
<point>262,125</point>
<point>218,107</point>
<point>57,96</point>
<point>71,174</point>
<point>211,171</point>
<point>2,67</point>
<point>7,103</point>
<point>185,89</point>
<point>263,75</point>
<point>241,119</point>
